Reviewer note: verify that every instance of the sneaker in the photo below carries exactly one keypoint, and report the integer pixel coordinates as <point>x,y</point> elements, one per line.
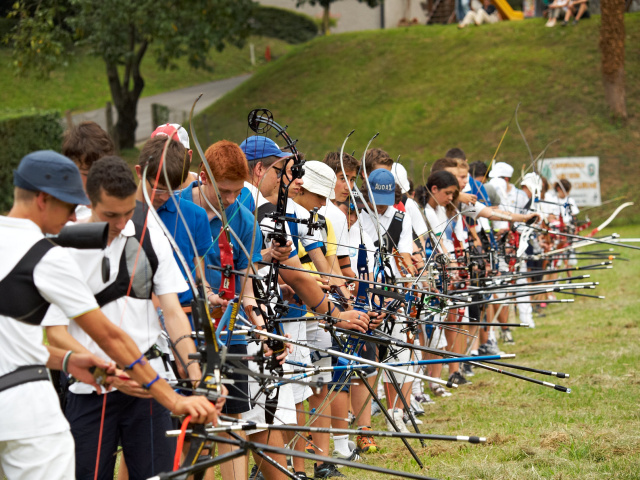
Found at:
<point>439,390</point>
<point>564,23</point>
<point>467,370</point>
<point>574,23</point>
<point>416,408</point>
<point>375,408</point>
<point>301,476</point>
<point>353,456</point>
<point>507,337</point>
<point>352,418</point>
<point>423,399</point>
<point>407,420</point>
<point>398,419</point>
<point>458,378</point>
<point>488,349</point>
<point>326,470</point>
<point>309,446</point>
<point>366,443</point>
<point>255,474</point>
<point>551,23</point>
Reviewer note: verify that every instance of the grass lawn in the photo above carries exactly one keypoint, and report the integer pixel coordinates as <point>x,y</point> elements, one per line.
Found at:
<point>82,85</point>
<point>427,89</point>
<point>535,432</point>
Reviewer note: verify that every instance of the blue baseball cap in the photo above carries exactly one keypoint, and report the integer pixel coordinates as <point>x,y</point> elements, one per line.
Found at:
<point>50,172</point>
<point>383,187</point>
<point>258,147</point>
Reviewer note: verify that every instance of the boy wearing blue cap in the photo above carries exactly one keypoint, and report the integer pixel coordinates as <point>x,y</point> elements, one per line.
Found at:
<point>396,232</point>
<point>35,441</point>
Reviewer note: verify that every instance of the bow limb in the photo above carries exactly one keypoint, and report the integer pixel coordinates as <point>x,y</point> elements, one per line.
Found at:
<point>610,219</point>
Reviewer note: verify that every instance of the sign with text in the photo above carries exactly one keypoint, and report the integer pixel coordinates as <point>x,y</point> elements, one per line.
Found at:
<point>582,172</point>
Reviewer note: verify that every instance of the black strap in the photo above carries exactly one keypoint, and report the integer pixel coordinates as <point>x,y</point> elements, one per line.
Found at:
<point>20,296</point>
<point>22,375</point>
<point>392,235</point>
<point>142,262</point>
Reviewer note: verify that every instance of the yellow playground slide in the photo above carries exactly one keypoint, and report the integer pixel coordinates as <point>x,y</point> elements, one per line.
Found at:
<point>506,11</point>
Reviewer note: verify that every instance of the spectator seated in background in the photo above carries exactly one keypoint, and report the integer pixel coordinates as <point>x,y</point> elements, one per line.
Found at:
<point>577,8</point>
<point>555,9</point>
<point>480,13</point>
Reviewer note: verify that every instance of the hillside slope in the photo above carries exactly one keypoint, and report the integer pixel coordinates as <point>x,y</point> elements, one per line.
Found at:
<point>427,89</point>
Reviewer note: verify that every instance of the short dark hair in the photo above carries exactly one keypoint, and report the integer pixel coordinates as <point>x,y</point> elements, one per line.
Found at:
<point>478,169</point>
<point>442,179</point>
<point>86,143</point>
<point>455,153</point>
<point>349,161</point>
<point>377,156</point>
<point>114,176</point>
<point>564,185</point>
<point>176,161</point>
<point>443,163</point>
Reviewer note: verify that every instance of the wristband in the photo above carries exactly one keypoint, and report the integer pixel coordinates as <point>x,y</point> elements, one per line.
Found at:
<point>147,386</point>
<point>175,344</point>
<point>65,362</point>
<point>320,303</point>
<point>140,361</point>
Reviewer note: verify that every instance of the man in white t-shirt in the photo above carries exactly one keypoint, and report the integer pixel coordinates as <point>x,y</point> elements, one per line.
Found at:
<point>35,441</point>
<point>140,263</point>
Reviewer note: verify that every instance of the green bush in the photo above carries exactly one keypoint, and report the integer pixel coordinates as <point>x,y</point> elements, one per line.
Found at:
<point>23,132</point>
<point>283,24</point>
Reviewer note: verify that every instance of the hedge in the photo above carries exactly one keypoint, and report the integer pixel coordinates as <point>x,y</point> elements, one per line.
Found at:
<point>283,24</point>
<point>23,132</point>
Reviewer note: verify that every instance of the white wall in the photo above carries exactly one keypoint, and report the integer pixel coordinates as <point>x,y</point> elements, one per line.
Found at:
<point>353,16</point>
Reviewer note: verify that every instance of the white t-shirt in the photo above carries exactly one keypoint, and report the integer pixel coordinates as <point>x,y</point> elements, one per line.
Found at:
<point>354,241</point>
<point>512,200</point>
<point>405,243</point>
<point>438,220</point>
<point>417,221</point>
<point>32,409</point>
<point>339,221</point>
<point>137,317</point>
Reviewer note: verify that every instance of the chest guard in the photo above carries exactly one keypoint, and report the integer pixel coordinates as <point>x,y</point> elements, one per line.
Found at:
<point>20,297</point>
<point>392,236</point>
<point>136,268</point>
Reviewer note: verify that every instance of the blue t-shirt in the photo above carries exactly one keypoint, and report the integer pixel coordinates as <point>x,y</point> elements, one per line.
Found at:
<point>477,188</point>
<point>198,225</point>
<point>241,221</point>
<point>245,198</point>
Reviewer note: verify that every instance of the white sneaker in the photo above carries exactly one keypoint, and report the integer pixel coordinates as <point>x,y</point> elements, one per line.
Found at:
<point>398,419</point>
<point>407,419</point>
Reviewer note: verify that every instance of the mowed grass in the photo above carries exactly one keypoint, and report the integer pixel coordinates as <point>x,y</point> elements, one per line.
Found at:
<point>536,432</point>
<point>427,89</point>
<point>82,85</point>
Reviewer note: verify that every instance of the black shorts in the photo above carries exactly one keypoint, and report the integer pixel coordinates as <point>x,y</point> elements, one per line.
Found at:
<point>239,392</point>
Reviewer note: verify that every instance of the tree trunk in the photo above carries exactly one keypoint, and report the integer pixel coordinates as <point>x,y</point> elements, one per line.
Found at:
<point>612,47</point>
<point>325,20</point>
<point>127,123</point>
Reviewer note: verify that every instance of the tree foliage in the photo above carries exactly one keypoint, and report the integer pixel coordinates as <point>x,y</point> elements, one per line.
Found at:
<point>121,32</point>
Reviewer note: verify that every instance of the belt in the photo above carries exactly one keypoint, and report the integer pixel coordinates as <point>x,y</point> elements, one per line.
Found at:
<point>26,374</point>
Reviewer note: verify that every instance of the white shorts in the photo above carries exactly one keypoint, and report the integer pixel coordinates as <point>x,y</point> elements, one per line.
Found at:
<point>300,354</point>
<point>402,356</point>
<point>285,413</point>
<point>438,339</point>
<point>48,456</point>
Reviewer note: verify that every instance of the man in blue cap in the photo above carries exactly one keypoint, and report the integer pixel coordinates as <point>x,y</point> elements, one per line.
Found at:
<point>35,441</point>
<point>394,227</point>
